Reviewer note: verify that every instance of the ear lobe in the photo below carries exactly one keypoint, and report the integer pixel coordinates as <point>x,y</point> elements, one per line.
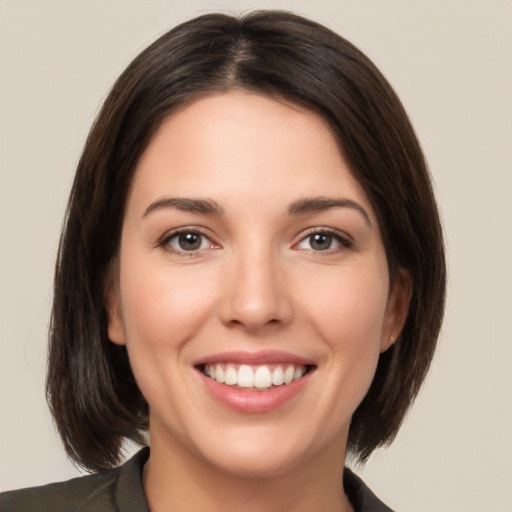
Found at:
<point>115,328</point>
<point>399,298</point>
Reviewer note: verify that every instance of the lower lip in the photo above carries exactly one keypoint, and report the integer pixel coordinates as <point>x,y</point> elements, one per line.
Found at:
<point>254,402</point>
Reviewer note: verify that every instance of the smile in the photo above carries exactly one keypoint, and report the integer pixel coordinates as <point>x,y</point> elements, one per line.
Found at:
<point>257,377</point>
<point>255,383</point>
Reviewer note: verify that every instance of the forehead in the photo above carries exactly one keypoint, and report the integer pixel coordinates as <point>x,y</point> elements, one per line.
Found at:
<point>246,145</point>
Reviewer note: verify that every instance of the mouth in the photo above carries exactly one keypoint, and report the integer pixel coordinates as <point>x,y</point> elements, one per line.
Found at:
<point>252,383</point>
<point>263,377</point>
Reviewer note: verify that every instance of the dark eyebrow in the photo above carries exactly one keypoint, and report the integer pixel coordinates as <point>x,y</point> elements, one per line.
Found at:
<point>204,206</point>
<point>318,204</point>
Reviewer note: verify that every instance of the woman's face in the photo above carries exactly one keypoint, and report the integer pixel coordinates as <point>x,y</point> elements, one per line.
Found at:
<point>253,291</point>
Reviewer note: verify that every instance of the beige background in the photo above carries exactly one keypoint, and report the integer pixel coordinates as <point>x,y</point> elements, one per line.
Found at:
<point>451,63</point>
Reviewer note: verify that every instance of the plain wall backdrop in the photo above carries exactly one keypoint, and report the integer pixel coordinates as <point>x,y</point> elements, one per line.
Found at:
<point>450,62</point>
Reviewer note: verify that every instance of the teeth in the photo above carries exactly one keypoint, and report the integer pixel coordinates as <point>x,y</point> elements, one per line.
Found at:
<point>288,374</point>
<point>298,373</point>
<point>259,377</point>
<point>245,377</point>
<point>278,376</point>
<point>262,377</point>
<point>231,376</point>
<point>219,373</point>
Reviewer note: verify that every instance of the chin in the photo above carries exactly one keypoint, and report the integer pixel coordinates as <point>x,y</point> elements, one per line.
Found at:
<point>259,453</point>
<point>262,464</point>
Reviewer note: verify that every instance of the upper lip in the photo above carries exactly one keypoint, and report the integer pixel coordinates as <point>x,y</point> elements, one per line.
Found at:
<point>255,358</point>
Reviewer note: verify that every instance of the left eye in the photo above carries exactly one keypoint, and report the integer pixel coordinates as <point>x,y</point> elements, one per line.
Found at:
<point>322,242</point>
<point>189,241</point>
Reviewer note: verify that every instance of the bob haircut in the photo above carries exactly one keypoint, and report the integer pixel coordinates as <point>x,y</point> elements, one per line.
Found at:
<point>91,390</point>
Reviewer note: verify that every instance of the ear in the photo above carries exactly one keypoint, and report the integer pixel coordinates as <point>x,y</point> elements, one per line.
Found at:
<point>399,298</point>
<point>115,328</point>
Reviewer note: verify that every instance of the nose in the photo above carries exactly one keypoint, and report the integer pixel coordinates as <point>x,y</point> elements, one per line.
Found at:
<point>255,293</point>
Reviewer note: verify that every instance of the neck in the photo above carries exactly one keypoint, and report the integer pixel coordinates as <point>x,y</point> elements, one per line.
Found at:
<point>174,479</point>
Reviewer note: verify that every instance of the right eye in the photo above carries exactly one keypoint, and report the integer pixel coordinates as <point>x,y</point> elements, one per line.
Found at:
<point>187,241</point>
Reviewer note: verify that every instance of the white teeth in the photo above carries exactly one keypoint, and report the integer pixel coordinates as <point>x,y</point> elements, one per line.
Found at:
<point>262,377</point>
<point>299,372</point>
<point>288,374</point>
<point>219,374</point>
<point>259,377</point>
<point>278,376</point>
<point>245,377</point>
<point>231,376</point>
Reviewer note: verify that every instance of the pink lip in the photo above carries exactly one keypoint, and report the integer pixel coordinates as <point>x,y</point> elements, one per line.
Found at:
<point>255,358</point>
<point>254,402</point>
<point>251,401</point>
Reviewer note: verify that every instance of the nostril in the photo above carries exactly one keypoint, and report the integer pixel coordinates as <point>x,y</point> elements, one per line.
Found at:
<point>253,325</point>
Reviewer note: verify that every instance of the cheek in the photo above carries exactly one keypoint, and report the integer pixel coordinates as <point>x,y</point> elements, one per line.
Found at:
<point>353,332</point>
<point>162,311</point>
<point>348,317</point>
<point>348,308</point>
<point>161,306</point>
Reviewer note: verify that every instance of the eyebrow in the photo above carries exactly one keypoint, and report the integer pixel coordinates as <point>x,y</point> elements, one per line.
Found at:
<point>210,207</point>
<point>204,206</point>
<point>319,204</point>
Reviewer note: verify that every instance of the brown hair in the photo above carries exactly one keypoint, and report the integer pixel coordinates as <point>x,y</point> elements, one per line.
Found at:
<point>90,387</point>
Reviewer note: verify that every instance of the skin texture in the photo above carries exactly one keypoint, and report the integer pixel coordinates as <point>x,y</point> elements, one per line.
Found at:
<point>256,283</point>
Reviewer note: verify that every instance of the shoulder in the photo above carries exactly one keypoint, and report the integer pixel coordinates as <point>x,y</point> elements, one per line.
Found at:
<point>101,492</point>
<point>93,492</point>
<point>361,497</point>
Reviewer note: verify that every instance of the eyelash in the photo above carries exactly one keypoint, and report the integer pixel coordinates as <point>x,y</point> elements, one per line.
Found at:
<point>344,241</point>
<point>164,242</point>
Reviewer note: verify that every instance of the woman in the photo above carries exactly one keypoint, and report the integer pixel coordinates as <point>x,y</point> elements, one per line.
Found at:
<point>251,268</point>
